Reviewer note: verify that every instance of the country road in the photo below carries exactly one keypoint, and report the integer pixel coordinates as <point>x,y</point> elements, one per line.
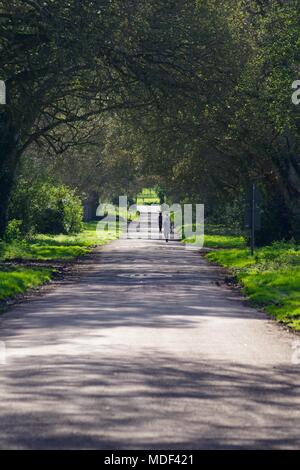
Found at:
<point>148,350</point>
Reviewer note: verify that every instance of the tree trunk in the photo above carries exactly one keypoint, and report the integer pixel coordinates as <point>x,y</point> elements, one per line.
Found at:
<point>8,165</point>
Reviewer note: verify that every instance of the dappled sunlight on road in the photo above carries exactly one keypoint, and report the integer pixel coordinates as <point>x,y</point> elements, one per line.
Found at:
<point>149,349</point>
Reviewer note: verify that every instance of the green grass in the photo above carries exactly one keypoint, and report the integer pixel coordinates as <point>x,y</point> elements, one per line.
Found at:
<point>216,237</point>
<point>147,196</point>
<point>270,279</point>
<point>223,241</point>
<point>15,280</point>
<point>56,247</point>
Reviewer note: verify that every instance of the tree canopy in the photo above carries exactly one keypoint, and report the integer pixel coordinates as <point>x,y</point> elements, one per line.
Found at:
<point>194,96</point>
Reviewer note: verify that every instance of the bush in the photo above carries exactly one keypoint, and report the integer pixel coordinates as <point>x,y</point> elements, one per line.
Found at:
<point>13,230</point>
<point>46,208</point>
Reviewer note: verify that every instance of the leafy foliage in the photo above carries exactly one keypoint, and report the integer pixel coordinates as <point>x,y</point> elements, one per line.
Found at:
<point>45,208</point>
<point>194,97</point>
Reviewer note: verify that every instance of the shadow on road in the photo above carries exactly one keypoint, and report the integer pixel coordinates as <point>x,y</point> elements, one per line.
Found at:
<point>148,404</point>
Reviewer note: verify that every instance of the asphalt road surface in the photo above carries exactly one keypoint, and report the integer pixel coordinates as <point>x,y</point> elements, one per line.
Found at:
<point>148,350</point>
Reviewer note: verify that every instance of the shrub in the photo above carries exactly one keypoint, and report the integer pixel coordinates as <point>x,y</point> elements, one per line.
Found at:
<point>13,230</point>
<point>46,208</point>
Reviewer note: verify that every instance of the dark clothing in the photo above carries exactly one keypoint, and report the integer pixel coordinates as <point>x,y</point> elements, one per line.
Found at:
<point>160,222</point>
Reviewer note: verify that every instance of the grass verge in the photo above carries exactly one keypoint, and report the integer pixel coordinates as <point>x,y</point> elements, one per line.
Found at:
<point>56,247</point>
<point>215,236</point>
<point>16,279</point>
<point>270,279</point>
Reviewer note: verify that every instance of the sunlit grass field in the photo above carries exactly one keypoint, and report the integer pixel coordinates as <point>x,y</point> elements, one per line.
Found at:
<point>147,196</point>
